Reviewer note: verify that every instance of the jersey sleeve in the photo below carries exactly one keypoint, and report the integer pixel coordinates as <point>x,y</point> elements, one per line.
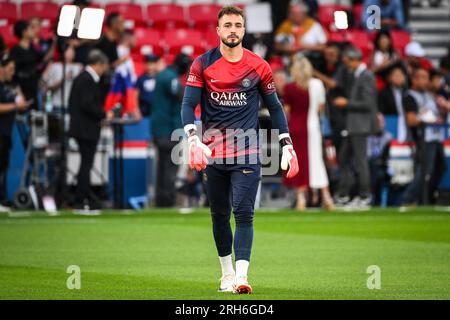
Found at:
<point>195,77</point>
<point>267,85</point>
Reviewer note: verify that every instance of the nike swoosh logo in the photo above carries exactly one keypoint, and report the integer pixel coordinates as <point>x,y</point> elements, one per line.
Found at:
<point>247,171</point>
<point>212,80</point>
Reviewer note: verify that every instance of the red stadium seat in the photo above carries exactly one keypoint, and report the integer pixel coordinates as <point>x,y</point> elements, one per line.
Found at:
<point>147,41</point>
<point>204,16</point>
<point>357,12</point>
<point>47,11</point>
<point>187,41</point>
<point>166,16</point>
<point>211,39</point>
<point>7,33</point>
<point>360,39</point>
<point>8,13</point>
<point>336,36</point>
<point>132,13</point>
<point>139,67</point>
<point>400,39</point>
<point>326,14</point>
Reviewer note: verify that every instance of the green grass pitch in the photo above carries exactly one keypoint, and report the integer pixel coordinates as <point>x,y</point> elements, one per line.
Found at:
<point>162,254</point>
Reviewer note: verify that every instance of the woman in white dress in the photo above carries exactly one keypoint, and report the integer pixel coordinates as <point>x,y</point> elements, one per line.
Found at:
<point>304,98</point>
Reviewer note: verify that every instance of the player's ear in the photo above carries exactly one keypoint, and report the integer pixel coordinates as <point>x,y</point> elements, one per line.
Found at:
<point>217,30</point>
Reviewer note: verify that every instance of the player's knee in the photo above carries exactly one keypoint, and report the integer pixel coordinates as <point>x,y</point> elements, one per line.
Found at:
<point>243,217</point>
<point>220,215</point>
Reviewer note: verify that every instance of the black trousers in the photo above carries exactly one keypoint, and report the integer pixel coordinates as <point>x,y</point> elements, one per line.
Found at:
<point>167,173</point>
<point>87,150</point>
<point>353,159</point>
<point>430,167</point>
<point>5,148</point>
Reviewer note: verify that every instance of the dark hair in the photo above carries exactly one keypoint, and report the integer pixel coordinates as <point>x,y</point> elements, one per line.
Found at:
<point>377,40</point>
<point>111,18</point>
<point>152,58</point>
<point>435,73</point>
<point>444,63</point>
<point>81,2</point>
<point>227,10</point>
<point>6,59</point>
<point>334,44</point>
<point>2,45</point>
<point>417,69</point>
<point>95,56</point>
<point>19,28</point>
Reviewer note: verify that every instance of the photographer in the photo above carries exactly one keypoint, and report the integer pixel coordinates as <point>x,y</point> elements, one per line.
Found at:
<point>27,60</point>
<point>11,101</point>
<point>424,120</point>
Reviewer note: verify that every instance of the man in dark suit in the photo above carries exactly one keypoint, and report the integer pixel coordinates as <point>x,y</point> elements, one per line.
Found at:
<point>86,113</point>
<point>390,99</point>
<point>361,121</point>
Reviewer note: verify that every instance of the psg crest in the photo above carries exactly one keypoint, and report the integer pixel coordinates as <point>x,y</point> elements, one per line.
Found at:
<point>246,83</point>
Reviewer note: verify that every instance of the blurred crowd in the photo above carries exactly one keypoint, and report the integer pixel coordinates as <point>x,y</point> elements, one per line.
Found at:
<point>337,96</point>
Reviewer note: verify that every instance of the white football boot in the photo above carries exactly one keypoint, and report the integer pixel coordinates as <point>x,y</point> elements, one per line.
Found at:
<point>241,286</point>
<point>226,283</point>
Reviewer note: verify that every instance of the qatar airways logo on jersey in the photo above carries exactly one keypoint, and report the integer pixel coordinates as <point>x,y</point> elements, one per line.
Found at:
<point>229,99</point>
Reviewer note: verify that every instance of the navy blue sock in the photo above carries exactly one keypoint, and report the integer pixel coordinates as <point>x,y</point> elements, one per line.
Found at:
<point>243,236</point>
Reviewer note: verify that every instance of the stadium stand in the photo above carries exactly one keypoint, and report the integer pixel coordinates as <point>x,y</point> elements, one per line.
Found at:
<point>203,16</point>
<point>132,12</point>
<point>166,16</point>
<point>9,13</point>
<point>47,11</point>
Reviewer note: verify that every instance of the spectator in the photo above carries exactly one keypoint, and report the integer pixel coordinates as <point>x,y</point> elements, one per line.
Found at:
<point>443,95</point>
<point>115,26</point>
<point>444,65</point>
<point>123,87</point>
<point>378,146</point>
<point>108,45</point>
<point>259,43</point>
<point>27,61</point>
<point>299,32</point>
<point>415,57</point>
<point>384,55</point>
<point>329,65</point>
<point>390,99</point>
<point>146,83</point>
<point>11,101</point>
<point>44,47</point>
<point>424,119</point>
<point>53,78</point>
<point>165,119</point>
<point>86,114</point>
<point>440,91</point>
<point>360,119</point>
<point>280,80</point>
<point>304,99</point>
<point>392,15</point>
<point>336,78</point>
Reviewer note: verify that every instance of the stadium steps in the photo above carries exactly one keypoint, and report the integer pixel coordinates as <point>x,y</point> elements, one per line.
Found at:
<point>431,27</point>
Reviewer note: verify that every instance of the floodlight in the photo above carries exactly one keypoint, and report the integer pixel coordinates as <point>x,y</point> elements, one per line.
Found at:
<point>340,20</point>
